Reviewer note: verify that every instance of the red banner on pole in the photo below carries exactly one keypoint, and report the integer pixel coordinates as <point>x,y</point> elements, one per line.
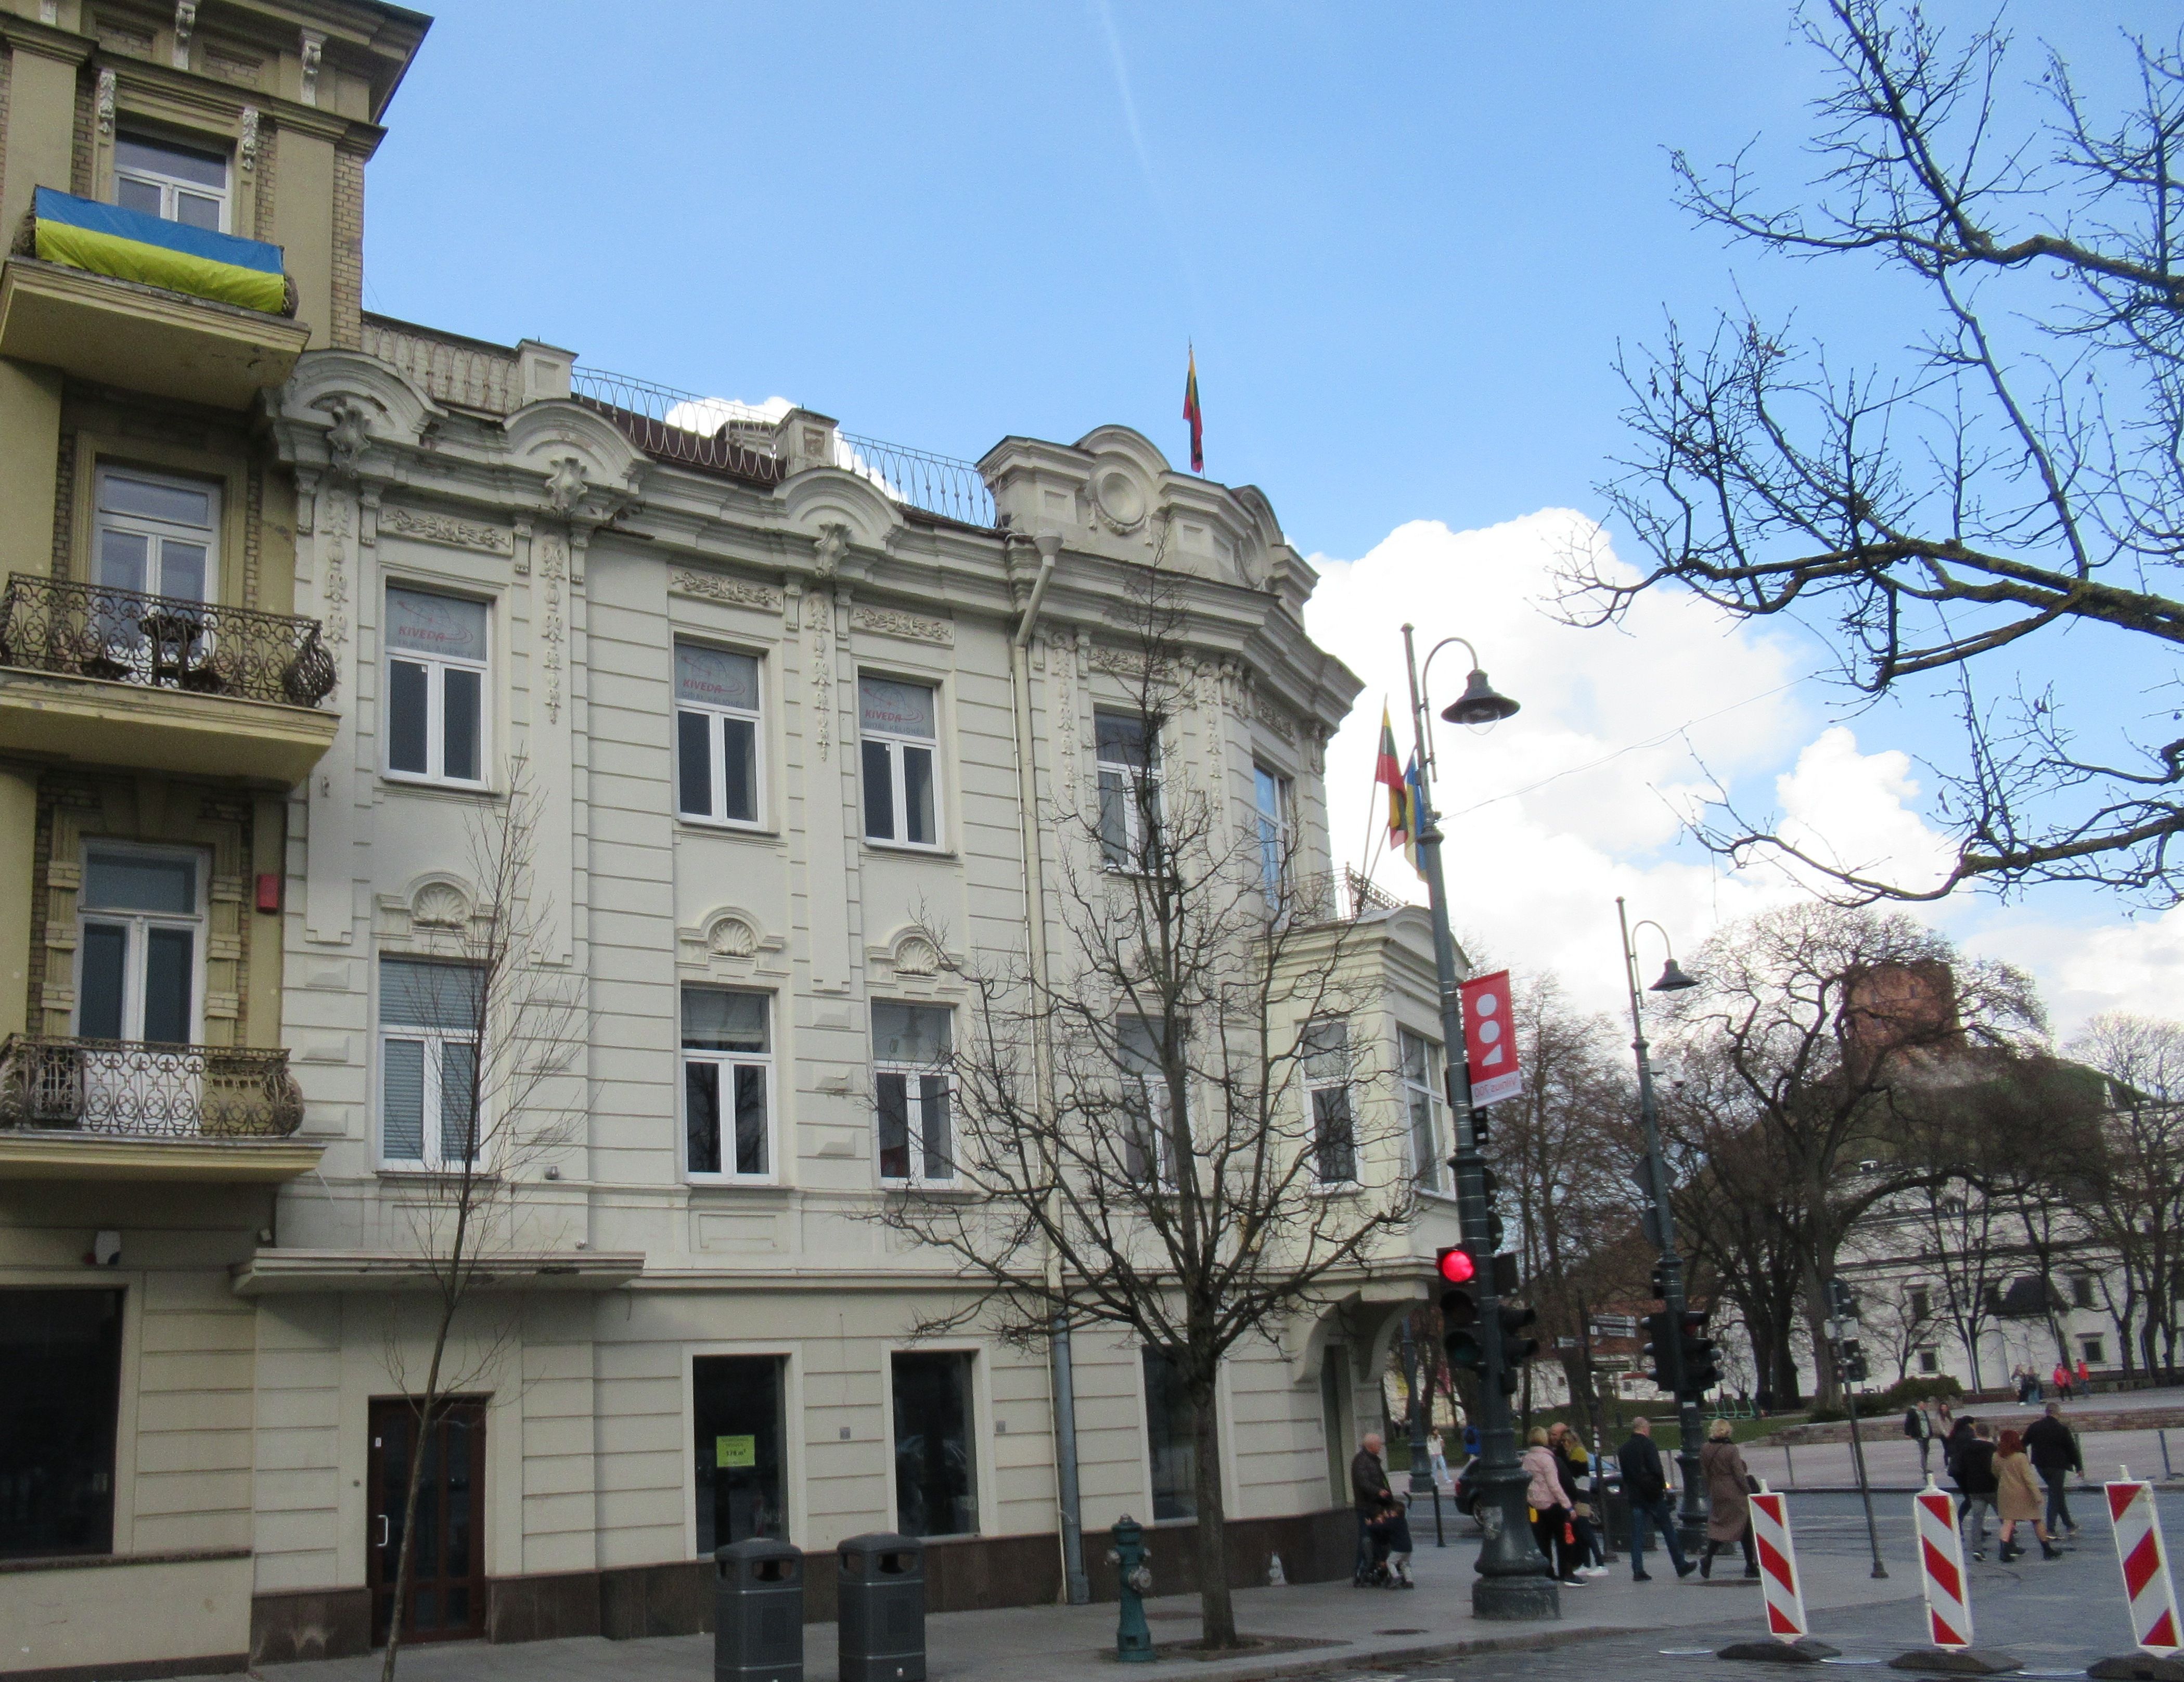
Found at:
<point>1490,1038</point>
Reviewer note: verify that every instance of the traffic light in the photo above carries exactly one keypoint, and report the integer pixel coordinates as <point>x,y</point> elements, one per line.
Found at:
<point>1458,1273</point>
<point>1843,1301</point>
<point>1659,1328</point>
<point>1516,1348</point>
<point>1489,1183</point>
<point>1850,1362</point>
<point>1660,1283</point>
<point>1701,1374</point>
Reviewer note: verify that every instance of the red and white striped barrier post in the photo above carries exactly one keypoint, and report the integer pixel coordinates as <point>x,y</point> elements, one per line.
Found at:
<point>1784,1596</point>
<point>1948,1594</point>
<point>2146,1583</point>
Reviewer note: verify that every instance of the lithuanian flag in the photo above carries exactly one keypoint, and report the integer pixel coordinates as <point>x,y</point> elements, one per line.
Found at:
<point>1192,414</point>
<point>1388,773</point>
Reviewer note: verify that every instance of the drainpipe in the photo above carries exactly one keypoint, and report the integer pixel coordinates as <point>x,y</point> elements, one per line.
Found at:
<point>1076,1585</point>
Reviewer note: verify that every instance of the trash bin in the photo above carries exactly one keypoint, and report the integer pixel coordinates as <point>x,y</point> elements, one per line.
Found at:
<point>882,1608</point>
<point>758,1612</point>
<point>1615,1513</point>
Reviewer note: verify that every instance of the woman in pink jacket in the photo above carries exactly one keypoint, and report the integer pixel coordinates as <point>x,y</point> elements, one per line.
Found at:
<point>1550,1513</point>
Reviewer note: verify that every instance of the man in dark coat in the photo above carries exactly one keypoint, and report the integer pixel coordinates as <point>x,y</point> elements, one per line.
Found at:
<point>1974,1470</point>
<point>1646,1484</point>
<point>1369,1492</point>
<point>2052,1447</point>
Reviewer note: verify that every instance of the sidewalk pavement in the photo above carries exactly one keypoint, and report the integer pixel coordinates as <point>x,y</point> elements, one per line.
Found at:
<point>1340,1628</point>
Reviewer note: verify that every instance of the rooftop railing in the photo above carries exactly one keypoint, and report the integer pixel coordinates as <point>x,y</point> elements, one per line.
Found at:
<point>82,630</point>
<point>134,1089</point>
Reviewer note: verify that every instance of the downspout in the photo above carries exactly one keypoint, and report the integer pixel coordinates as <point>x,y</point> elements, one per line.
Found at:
<point>1077,1586</point>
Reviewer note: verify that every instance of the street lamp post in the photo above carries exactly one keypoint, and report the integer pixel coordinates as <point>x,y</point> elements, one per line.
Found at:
<point>1515,1580</point>
<point>1692,1520</point>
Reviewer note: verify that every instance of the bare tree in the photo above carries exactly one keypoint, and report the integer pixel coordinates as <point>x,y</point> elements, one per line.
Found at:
<point>2015,471</point>
<point>1183,1131</point>
<point>1825,1027</point>
<point>1900,1319</point>
<point>509,1019</point>
<point>2138,1180</point>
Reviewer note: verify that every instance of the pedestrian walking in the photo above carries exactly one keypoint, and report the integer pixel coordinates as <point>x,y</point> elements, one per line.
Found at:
<point>2052,1448</point>
<point>1919,1426</point>
<point>1437,1457</point>
<point>1974,1471</point>
<point>1645,1486</point>
<point>1954,1443</point>
<point>1550,1517</point>
<point>1728,1482</point>
<point>2017,1499</point>
<point>1574,1465</point>
<point>2062,1377</point>
<point>2085,1385</point>
<point>1470,1441</point>
<point>1369,1492</point>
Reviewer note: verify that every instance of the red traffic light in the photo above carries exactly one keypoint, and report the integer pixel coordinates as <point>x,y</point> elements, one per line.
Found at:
<point>1457,1267</point>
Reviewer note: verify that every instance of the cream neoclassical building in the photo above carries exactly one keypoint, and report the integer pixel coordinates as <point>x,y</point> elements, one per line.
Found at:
<point>291,589</point>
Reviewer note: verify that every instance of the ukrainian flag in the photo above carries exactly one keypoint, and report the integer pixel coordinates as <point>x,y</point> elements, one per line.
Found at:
<point>131,246</point>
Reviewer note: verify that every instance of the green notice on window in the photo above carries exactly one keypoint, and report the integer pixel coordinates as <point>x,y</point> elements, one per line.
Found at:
<point>735,1450</point>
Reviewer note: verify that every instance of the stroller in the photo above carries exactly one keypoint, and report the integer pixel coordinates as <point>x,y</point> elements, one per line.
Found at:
<point>1390,1529</point>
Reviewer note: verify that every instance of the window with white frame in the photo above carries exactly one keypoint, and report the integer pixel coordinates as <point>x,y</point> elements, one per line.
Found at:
<point>1274,794</point>
<point>140,940</point>
<point>436,677</point>
<point>717,734</point>
<point>728,1084</point>
<point>912,1084</point>
<point>185,184</point>
<point>430,1029</point>
<point>1326,1048</point>
<point>158,535</point>
<point>1424,1103</point>
<point>1148,1139</point>
<point>1129,755</point>
<point>897,723</point>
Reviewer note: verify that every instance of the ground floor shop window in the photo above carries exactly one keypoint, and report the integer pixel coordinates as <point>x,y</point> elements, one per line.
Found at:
<point>936,1474</point>
<point>740,1453</point>
<point>61,1351</point>
<point>1171,1438</point>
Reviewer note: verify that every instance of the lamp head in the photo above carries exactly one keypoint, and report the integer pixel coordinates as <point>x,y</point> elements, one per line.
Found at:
<point>1480,703</point>
<point>1672,979</point>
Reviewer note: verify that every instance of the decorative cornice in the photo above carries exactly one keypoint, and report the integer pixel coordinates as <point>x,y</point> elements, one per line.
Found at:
<point>888,623</point>
<point>735,591</point>
<point>446,529</point>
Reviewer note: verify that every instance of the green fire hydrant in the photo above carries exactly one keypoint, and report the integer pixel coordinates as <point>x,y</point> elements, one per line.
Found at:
<point>1134,1637</point>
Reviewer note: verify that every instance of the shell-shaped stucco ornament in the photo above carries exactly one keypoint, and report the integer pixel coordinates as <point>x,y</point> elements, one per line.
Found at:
<point>731,937</point>
<point>440,905</point>
<point>916,956</point>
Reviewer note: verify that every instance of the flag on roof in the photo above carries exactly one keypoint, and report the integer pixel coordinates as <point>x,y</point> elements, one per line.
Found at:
<point>1192,414</point>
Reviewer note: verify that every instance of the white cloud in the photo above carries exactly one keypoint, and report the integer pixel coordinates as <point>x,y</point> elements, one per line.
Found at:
<point>1625,731</point>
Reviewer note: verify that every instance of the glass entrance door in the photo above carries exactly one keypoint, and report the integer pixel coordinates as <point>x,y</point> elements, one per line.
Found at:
<point>736,1410</point>
<point>447,1583</point>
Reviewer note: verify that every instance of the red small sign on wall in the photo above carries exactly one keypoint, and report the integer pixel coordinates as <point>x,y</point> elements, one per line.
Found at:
<point>1490,1038</point>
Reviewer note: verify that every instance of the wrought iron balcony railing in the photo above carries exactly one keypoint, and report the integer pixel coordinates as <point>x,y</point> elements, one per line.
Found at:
<point>162,642</point>
<point>132,1089</point>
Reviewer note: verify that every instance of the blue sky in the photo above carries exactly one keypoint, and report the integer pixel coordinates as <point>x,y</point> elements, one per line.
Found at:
<point>1406,241</point>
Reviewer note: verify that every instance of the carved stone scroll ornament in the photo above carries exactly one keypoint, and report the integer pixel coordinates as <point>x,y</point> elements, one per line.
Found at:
<point>445,529</point>
<point>245,150</point>
<point>103,102</point>
<point>735,591</point>
<point>553,569</point>
<point>566,485</point>
<point>350,436</point>
<point>889,623</point>
<point>819,623</point>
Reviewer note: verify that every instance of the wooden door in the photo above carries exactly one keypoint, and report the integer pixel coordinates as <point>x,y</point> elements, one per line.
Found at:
<point>447,1583</point>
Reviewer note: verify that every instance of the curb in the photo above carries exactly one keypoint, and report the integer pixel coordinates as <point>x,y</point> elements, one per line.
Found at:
<point>1409,1658</point>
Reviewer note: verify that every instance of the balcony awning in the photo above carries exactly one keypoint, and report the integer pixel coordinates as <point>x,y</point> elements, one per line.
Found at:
<point>106,239</point>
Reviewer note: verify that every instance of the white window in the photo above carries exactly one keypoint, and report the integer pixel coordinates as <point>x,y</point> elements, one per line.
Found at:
<point>436,671</point>
<point>139,944</point>
<point>1128,749</point>
<point>1424,1103</point>
<point>1148,1139</point>
<point>910,1081</point>
<point>158,536</point>
<point>717,734</point>
<point>1274,794</point>
<point>429,1028</point>
<point>728,1084</point>
<point>898,729</point>
<point>1326,1048</point>
<point>184,184</point>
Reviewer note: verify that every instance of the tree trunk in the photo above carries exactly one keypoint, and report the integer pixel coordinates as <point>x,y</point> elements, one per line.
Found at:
<point>1216,1611</point>
<point>406,1559</point>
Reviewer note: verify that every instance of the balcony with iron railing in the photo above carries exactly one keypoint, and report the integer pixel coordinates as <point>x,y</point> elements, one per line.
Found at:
<point>117,676</point>
<point>130,1109</point>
